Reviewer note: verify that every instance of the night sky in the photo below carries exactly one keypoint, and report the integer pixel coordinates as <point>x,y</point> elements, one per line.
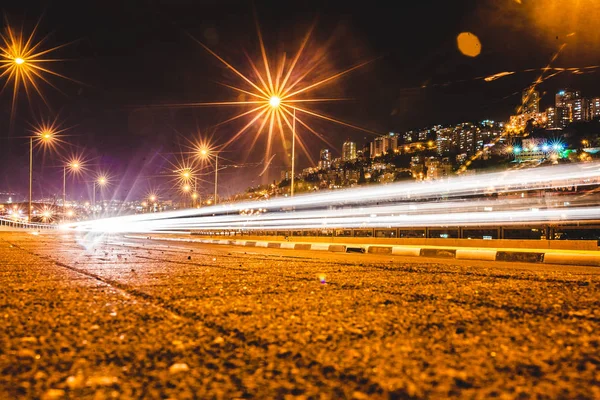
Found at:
<point>135,57</point>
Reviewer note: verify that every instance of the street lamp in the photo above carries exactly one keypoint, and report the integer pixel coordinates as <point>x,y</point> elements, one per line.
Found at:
<point>186,188</point>
<point>274,103</point>
<point>152,202</point>
<point>45,137</point>
<point>100,181</point>
<point>204,154</point>
<point>72,166</point>
<point>186,174</point>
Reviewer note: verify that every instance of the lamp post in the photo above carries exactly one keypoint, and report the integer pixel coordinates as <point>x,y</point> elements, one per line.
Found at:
<point>216,175</point>
<point>274,103</point>
<point>195,193</point>
<point>30,177</point>
<point>293,153</point>
<point>186,176</point>
<point>72,166</point>
<point>101,181</point>
<point>44,136</point>
<point>186,189</point>
<point>152,202</point>
<point>204,154</point>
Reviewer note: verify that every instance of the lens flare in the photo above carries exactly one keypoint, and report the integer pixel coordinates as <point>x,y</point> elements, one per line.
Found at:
<point>24,64</point>
<point>278,96</point>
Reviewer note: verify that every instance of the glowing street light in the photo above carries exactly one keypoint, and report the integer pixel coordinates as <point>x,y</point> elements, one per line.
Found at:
<point>274,101</point>
<point>204,154</point>
<point>72,166</point>
<point>45,136</point>
<point>101,181</point>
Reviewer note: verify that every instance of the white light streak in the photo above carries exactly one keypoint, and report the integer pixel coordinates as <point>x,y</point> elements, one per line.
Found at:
<point>440,203</point>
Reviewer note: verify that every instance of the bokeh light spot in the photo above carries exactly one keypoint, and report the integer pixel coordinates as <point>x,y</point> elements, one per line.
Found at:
<point>468,44</point>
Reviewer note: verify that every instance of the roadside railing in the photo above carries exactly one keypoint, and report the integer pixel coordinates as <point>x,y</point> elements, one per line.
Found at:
<point>25,225</point>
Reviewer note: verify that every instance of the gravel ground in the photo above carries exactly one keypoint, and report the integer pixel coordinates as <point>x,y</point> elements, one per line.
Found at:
<point>93,317</point>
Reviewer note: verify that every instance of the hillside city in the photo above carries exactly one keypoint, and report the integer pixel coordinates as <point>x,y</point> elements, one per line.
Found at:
<point>567,132</point>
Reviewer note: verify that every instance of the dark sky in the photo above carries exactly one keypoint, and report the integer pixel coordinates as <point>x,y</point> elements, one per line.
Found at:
<point>133,57</point>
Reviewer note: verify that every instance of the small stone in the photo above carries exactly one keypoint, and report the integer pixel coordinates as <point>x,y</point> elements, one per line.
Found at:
<point>359,395</point>
<point>178,344</point>
<point>101,381</point>
<point>75,382</point>
<point>26,353</point>
<point>40,375</point>
<point>218,340</point>
<point>178,367</point>
<point>53,394</point>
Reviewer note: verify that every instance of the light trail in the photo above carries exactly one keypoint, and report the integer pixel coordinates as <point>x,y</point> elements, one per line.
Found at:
<point>413,200</point>
<point>373,217</point>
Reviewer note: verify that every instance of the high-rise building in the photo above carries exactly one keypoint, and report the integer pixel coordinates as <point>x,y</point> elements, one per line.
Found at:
<point>466,137</point>
<point>384,144</point>
<point>325,159</point>
<point>570,107</point>
<point>392,142</point>
<point>530,99</point>
<point>379,147</point>
<point>563,116</point>
<point>552,118</point>
<point>445,141</point>
<point>594,107</point>
<point>438,169</point>
<point>579,108</point>
<point>348,151</point>
<point>563,97</point>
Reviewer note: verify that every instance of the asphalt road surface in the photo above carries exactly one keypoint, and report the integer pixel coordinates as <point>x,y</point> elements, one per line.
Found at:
<point>109,317</point>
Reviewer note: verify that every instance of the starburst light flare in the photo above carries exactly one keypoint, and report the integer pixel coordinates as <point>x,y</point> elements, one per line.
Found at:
<point>279,92</point>
<point>24,64</point>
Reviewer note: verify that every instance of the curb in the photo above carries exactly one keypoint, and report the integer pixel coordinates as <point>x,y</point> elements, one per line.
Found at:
<point>538,257</point>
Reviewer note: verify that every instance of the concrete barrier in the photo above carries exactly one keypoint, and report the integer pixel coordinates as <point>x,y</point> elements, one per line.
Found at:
<point>572,259</point>
<point>379,250</point>
<point>520,256</point>
<point>476,254</point>
<point>406,251</point>
<point>337,248</point>
<point>439,253</point>
<point>564,258</point>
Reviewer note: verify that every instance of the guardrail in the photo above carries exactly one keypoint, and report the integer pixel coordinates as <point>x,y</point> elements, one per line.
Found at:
<point>24,225</point>
<point>571,230</point>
